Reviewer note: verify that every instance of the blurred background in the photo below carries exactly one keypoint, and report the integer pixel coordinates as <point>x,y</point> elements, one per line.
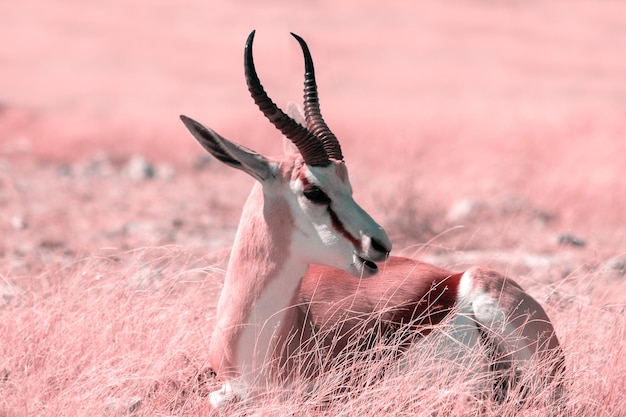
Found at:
<point>456,101</point>
<point>138,65</point>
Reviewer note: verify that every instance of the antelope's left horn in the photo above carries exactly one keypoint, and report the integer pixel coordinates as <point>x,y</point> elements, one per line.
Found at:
<point>312,113</point>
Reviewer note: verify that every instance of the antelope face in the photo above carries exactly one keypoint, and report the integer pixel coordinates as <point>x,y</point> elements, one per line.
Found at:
<point>335,230</point>
<point>331,228</point>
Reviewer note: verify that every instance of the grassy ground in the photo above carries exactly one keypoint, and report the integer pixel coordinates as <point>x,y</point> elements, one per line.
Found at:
<point>475,133</point>
<point>125,333</point>
<point>93,323</point>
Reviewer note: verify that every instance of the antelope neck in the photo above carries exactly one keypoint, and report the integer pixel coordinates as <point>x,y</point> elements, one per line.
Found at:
<point>263,278</point>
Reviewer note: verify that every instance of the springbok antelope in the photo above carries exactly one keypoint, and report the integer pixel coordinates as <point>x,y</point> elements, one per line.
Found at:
<point>277,299</point>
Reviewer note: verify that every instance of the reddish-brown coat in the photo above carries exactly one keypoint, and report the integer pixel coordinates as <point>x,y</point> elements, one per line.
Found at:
<point>404,301</point>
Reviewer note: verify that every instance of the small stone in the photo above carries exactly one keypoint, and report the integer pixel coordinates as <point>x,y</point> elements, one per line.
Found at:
<point>203,162</point>
<point>8,292</point>
<point>122,406</point>
<point>51,244</point>
<point>19,223</point>
<point>566,239</point>
<point>65,171</point>
<point>139,168</point>
<point>100,165</point>
<point>165,172</point>
<point>461,210</point>
<point>615,266</point>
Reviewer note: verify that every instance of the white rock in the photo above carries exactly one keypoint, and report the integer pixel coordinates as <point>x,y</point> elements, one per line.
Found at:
<point>18,223</point>
<point>461,210</point>
<point>122,406</point>
<point>139,168</point>
<point>8,292</point>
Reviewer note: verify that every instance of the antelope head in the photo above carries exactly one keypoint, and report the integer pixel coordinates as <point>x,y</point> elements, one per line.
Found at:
<point>328,226</point>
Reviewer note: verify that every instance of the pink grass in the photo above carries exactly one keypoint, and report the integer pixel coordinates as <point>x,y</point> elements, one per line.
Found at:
<point>108,284</point>
<point>126,333</point>
<point>108,328</point>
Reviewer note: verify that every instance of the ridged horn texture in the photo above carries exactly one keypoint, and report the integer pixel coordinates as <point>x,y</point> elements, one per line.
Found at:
<point>312,113</point>
<point>310,146</point>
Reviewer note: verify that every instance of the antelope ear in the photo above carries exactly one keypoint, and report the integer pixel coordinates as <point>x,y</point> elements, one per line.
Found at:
<point>237,156</point>
<point>289,148</point>
<point>293,111</point>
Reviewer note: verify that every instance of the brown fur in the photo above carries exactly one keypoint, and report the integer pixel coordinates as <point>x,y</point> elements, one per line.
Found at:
<point>337,313</point>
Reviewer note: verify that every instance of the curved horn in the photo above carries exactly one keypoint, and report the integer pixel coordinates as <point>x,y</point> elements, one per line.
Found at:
<point>315,122</point>
<point>310,147</point>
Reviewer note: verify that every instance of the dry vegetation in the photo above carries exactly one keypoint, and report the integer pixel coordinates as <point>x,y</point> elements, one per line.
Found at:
<point>123,331</point>
<point>496,137</point>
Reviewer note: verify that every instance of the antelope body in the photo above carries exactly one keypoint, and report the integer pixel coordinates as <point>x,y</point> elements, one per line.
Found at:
<point>278,300</point>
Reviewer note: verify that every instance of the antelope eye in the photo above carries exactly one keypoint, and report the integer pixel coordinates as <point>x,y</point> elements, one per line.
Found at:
<point>315,195</point>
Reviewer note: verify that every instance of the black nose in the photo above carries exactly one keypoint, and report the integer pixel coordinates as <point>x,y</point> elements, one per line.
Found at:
<point>379,247</point>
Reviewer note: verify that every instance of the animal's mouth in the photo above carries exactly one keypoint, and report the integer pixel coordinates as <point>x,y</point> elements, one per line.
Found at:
<point>365,267</point>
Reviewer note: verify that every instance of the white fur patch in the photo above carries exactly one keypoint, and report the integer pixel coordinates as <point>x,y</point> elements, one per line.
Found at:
<point>466,285</point>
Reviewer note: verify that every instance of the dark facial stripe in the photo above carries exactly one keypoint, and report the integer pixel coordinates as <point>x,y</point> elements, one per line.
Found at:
<point>338,226</point>
<point>336,223</point>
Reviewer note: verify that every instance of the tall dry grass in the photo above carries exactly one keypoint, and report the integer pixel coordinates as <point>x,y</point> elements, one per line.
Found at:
<point>126,333</point>
<point>107,334</point>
